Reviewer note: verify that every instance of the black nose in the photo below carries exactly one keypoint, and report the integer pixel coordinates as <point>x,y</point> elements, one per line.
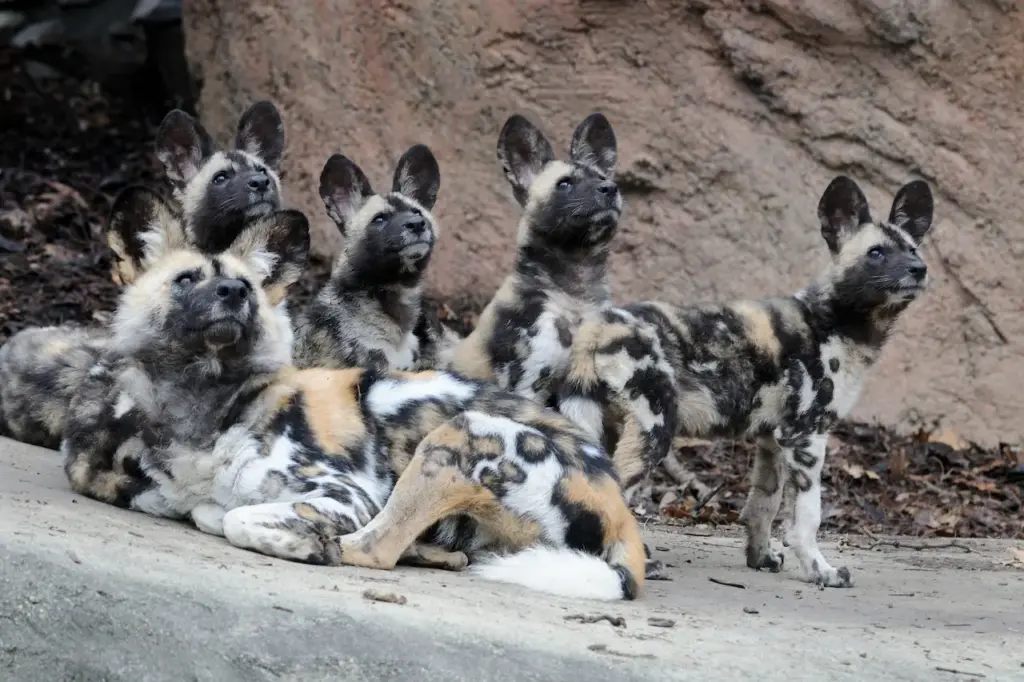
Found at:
<point>233,292</point>
<point>259,182</point>
<point>415,224</point>
<point>608,187</point>
<point>918,270</point>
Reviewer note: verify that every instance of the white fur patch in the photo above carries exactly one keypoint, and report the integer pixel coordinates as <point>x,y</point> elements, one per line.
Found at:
<point>585,413</point>
<point>532,498</point>
<point>387,397</point>
<point>263,262</point>
<point>123,405</point>
<point>562,572</point>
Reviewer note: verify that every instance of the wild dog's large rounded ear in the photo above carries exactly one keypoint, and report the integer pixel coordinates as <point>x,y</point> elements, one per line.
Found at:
<point>843,208</point>
<point>182,145</point>
<point>418,176</point>
<point>141,227</point>
<point>523,152</point>
<point>912,209</point>
<point>593,144</point>
<point>261,133</point>
<point>344,188</point>
<point>277,248</point>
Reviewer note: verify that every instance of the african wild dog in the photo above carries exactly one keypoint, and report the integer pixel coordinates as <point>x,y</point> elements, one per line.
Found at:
<point>217,194</point>
<point>195,412</point>
<point>219,190</point>
<point>780,370</point>
<point>570,214</point>
<point>370,313</point>
<point>41,368</point>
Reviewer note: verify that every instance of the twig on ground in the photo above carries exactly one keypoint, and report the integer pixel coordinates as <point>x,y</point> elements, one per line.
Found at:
<point>710,496</point>
<point>603,649</point>
<point>918,548</point>
<point>957,672</point>
<point>616,621</point>
<point>727,584</point>
<point>661,622</point>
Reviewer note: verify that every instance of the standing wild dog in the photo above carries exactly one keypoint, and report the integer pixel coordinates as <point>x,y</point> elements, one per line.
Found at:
<point>195,412</point>
<point>570,214</point>
<point>219,190</point>
<point>780,370</point>
<point>42,367</point>
<point>370,313</point>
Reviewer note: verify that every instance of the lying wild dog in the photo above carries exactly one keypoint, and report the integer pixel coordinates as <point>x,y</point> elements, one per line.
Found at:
<point>780,370</point>
<point>570,214</point>
<point>220,190</point>
<point>370,313</point>
<point>216,194</point>
<point>40,368</point>
<point>195,412</point>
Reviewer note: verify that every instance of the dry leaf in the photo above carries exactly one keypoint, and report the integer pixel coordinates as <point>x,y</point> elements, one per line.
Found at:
<point>854,471</point>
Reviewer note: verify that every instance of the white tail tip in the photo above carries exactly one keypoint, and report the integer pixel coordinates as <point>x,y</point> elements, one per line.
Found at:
<point>561,571</point>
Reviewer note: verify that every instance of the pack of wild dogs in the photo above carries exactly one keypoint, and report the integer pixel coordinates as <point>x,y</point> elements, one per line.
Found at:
<point>362,431</point>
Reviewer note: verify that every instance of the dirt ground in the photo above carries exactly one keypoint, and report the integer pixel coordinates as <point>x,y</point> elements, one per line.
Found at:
<point>96,593</point>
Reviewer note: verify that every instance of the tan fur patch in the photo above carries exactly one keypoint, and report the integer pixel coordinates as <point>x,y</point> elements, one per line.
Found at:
<point>332,407</point>
<point>542,187</point>
<point>424,375</point>
<point>759,327</point>
<point>603,497</point>
<point>307,512</point>
<point>854,248</point>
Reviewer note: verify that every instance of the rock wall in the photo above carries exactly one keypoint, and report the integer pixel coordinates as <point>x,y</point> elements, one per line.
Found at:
<point>732,116</point>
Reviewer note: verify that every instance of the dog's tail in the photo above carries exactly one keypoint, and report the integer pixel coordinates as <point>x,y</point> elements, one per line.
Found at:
<point>567,572</point>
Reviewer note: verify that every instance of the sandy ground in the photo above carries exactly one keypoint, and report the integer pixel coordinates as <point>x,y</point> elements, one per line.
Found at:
<point>92,593</point>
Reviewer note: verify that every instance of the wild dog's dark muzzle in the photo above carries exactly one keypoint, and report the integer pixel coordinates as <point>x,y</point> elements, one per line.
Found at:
<point>412,223</point>
<point>229,314</point>
<point>258,182</point>
<point>232,293</point>
<point>917,269</point>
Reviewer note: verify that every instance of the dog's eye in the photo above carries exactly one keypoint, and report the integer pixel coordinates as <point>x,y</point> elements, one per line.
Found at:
<point>565,183</point>
<point>416,211</point>
<point>379,219</point>
<point>220,178</point>
<point>875,252</point>
<point>185,279</point>
<point>260,169</point>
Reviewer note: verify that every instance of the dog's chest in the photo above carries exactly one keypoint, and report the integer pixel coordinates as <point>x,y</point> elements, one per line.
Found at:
<point>405,354</point>
<point>844,365</point>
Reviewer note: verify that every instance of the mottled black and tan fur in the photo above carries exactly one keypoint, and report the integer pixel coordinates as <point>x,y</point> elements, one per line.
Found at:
<point>370,313</point>
<point>40,368</point>
<point>570,214</point>
<point>216,194</point>
<point>195,413</point>
<point>780,370</point>
<point>219,190</point>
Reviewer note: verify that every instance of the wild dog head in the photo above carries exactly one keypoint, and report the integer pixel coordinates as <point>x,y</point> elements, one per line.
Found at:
<point>389,238</point>
<point>876,265</point>
<point>181,306</point>
<point>567,205</point>
<point>219,189</point>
